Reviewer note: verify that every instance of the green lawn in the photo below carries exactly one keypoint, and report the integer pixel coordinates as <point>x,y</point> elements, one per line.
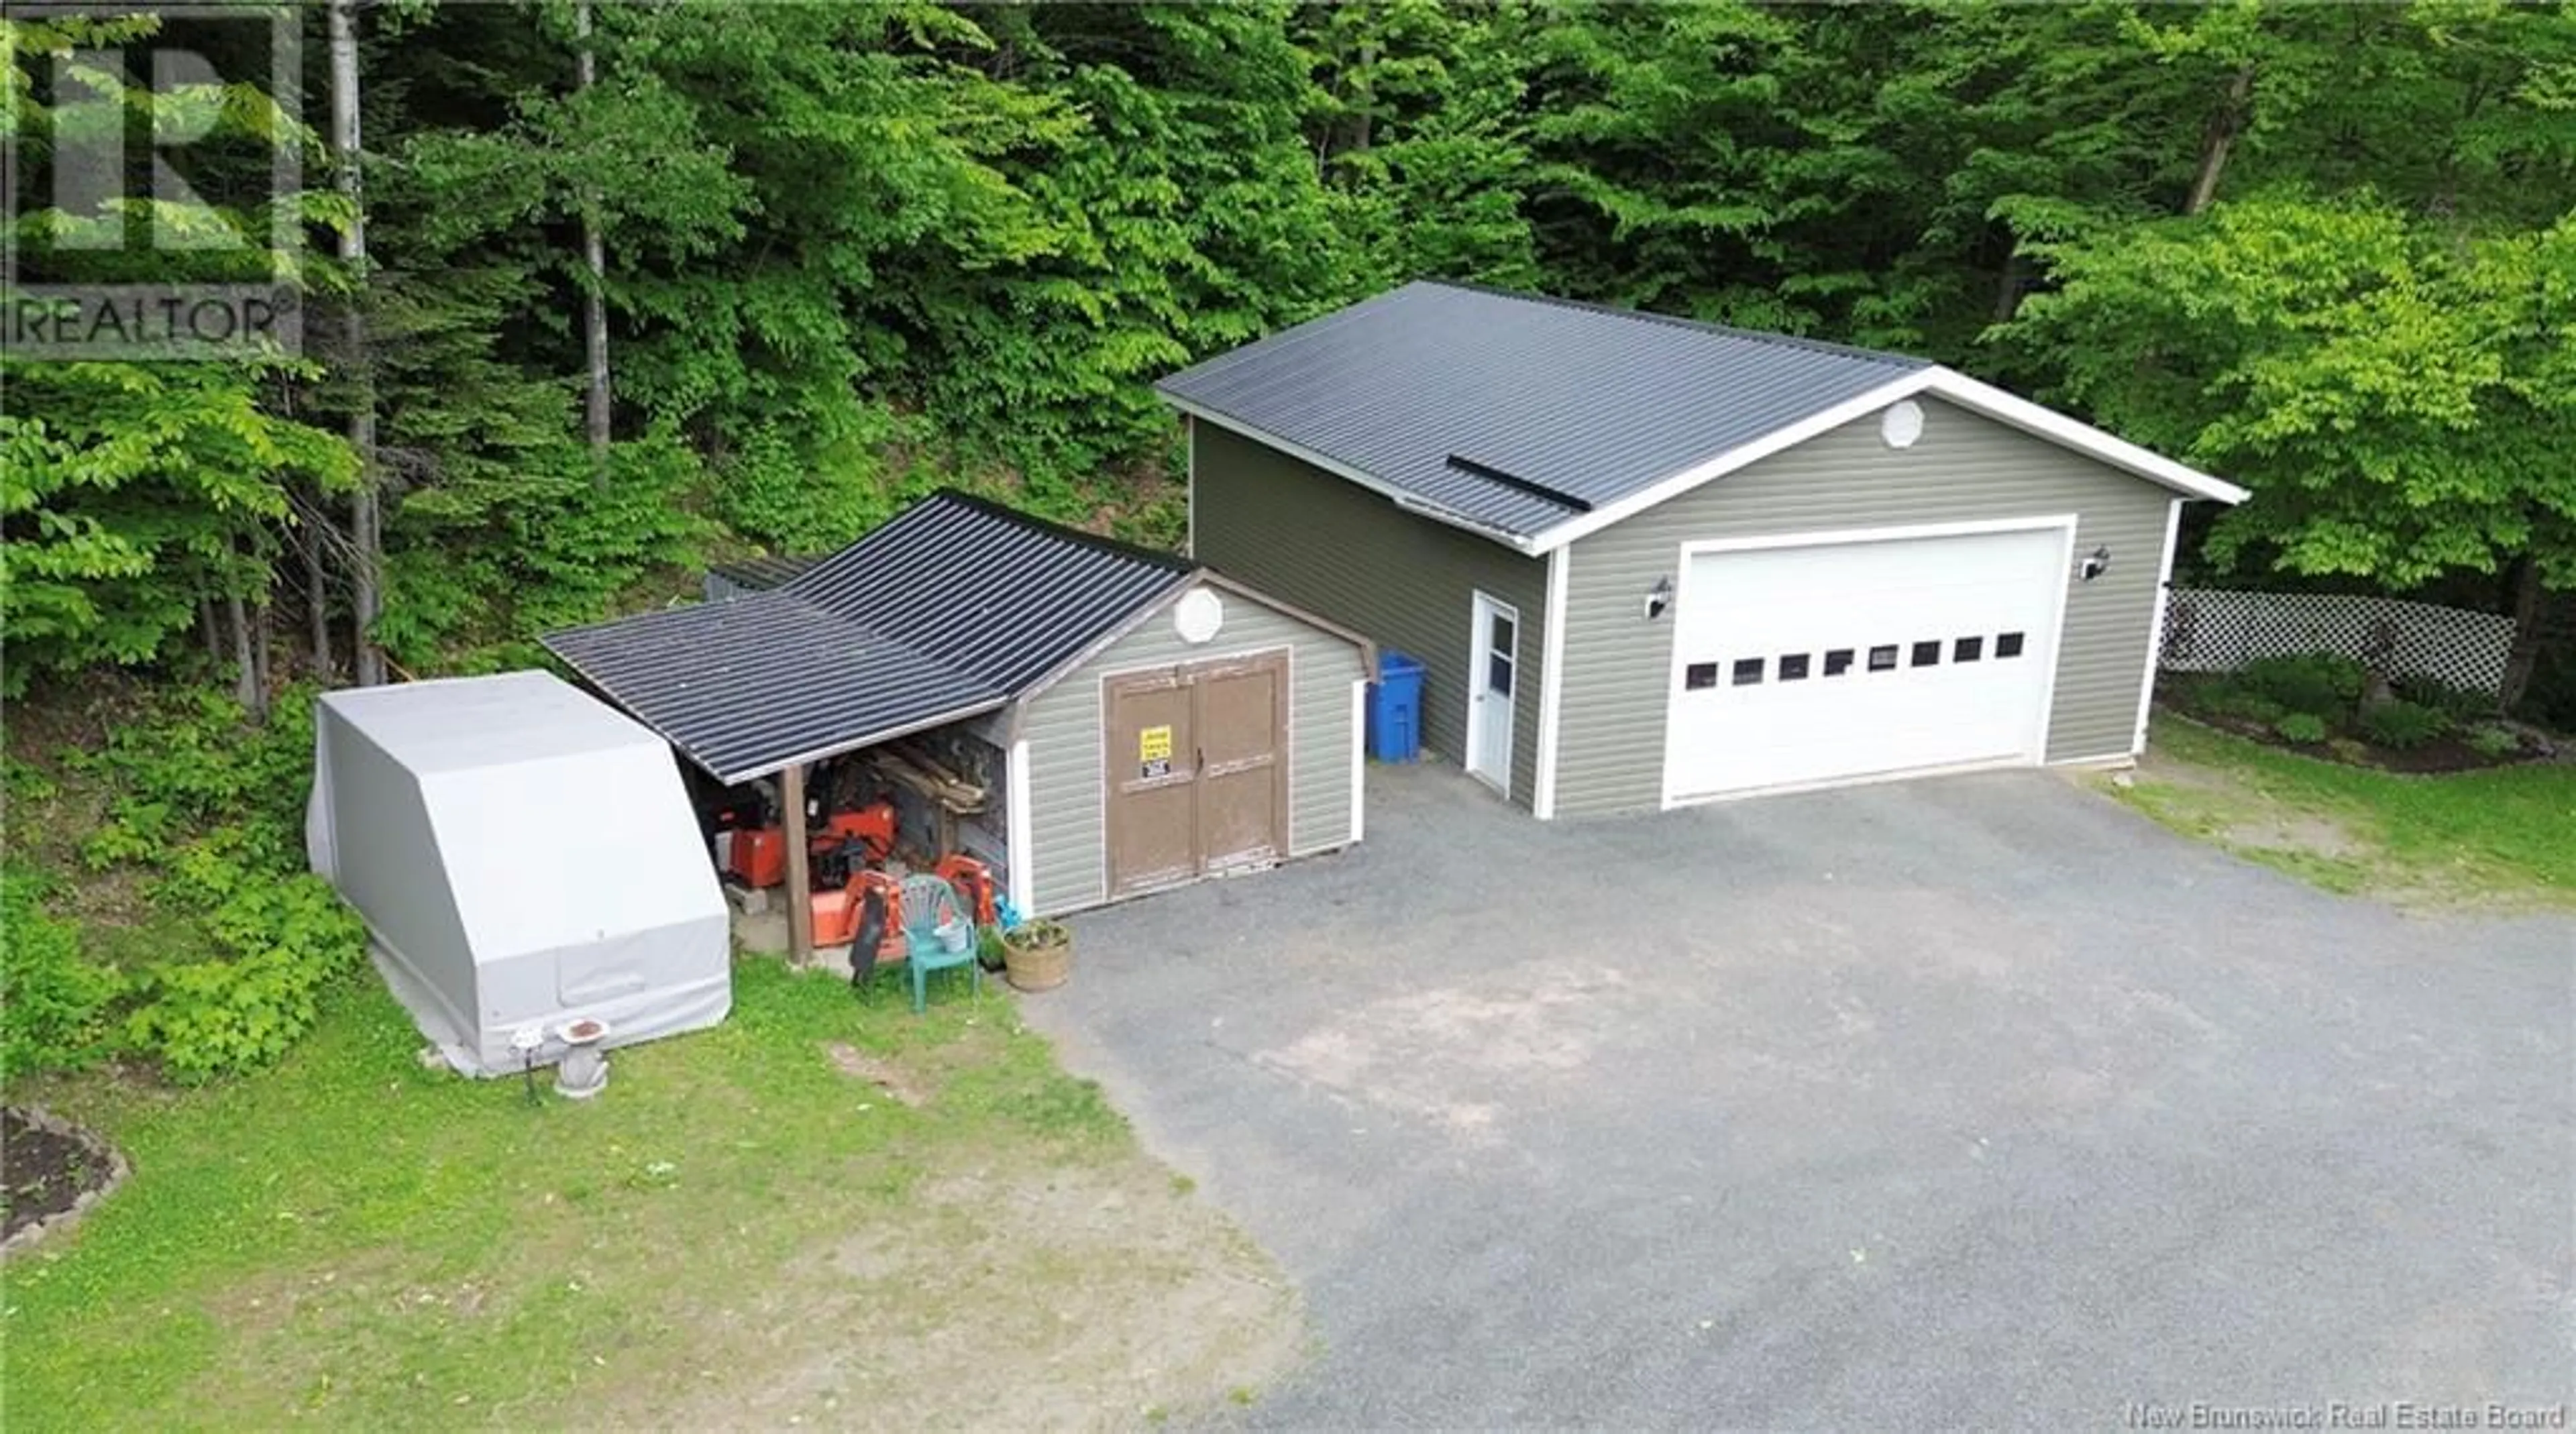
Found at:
<point>822,1210</point>
<point>2505,834</point>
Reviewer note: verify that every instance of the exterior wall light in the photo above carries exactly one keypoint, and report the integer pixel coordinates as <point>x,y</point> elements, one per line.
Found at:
<point>2095,564</point>
<point>1659,598</point>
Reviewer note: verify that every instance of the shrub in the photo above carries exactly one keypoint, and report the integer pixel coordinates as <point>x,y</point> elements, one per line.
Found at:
<point>222,1016</point>
<point>212,808</point>
<point>54,1001</point>
<point>2227,700</point>
<point>2464,704</point>
<point>278,938</point>
<point>2318,682</point>
<point>2305,728</point>
<point>2401,725</point>
<point>2494,742</point>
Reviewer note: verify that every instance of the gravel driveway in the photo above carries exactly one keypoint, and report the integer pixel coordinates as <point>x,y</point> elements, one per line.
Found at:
<point>1977,1101</point>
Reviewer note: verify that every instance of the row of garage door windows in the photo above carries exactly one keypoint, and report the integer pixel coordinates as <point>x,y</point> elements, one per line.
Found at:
<point>1793,665</point>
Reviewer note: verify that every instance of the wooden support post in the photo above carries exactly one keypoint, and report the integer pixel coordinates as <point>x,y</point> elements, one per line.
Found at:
<point>800,879</point>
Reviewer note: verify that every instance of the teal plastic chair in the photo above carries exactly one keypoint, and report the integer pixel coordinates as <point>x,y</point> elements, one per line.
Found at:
<point>938,935</point>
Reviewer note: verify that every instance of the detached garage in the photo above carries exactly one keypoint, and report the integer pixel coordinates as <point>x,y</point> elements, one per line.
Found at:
<point>1647,562</point>
<point>1137,719</point>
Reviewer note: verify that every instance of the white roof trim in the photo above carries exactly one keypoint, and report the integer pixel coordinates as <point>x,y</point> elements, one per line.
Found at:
<point>1407,501</point>
<point>1741,455</point>
<point>1958,388</point>
<point>2084,438</point>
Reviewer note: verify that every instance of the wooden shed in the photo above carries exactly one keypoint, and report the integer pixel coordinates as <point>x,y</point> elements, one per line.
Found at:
<point>1140,720</point>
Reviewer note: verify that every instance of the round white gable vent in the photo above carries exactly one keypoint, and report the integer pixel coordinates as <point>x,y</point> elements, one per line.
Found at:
<point>1901,424</point>
<point>1198,615</point>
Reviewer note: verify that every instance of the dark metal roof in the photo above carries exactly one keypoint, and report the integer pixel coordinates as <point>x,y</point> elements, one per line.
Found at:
<point>991,592</point>
<point>1513,412</point>
<point>748,685</point>
<point>951,609</point>
<point>769,571</point>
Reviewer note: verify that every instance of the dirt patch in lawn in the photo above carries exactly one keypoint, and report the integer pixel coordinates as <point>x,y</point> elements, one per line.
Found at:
<point>2221,807</point>
<point>897,1083</point>
<point>2217,806</point>
<point>1076,1297</point>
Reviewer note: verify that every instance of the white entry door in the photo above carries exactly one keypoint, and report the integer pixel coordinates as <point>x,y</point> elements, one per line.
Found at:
<point>1493,675</point>
<point>1832,661</point>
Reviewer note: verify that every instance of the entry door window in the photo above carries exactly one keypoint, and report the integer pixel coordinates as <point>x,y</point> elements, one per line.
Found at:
<point>1494,657</point>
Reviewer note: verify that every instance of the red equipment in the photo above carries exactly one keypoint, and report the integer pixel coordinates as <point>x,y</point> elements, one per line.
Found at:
<point>760,853</point>
<point>974,883</point>
<point>871,826</point>
<point>839,915</point>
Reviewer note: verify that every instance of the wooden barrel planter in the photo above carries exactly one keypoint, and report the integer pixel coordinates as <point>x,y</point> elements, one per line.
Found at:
<point>1037,955</point>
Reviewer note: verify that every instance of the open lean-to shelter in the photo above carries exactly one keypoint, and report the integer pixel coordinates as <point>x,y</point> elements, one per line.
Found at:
<point>1648,561</point>
<point>1131,720</point>
<point>525,858</point>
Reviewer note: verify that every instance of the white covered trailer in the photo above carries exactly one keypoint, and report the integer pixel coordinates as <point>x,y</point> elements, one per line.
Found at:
<point>524,857</point>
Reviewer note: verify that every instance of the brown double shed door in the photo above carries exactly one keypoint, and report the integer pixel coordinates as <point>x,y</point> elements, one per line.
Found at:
<point>1197,770</point>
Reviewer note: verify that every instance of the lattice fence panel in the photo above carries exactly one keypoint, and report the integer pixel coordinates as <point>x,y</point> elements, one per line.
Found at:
<point>2216,630</point>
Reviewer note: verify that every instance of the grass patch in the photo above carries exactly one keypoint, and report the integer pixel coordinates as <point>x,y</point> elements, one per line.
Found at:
<point>2507,834</point>
<point>748,1227</point>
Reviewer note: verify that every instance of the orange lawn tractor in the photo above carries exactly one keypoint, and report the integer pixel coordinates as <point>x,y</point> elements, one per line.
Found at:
<point>848,840</point>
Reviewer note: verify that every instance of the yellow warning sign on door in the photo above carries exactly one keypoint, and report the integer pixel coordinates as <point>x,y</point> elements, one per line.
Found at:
<point>1154,744</point>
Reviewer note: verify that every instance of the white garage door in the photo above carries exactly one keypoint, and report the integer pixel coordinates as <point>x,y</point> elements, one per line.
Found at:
<point>1829,661</point>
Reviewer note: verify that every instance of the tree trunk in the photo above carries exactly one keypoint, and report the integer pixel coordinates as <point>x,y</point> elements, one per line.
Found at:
<point>317,592</point>
<point>366,523</point>
<point>2523,657</point>
<point>209,630</point>
<point>2224,126</point>
<point>2008,286</point>
<point>594,326</point>
<point>245,677</point>
<point>1363,131</point>
<point>260,670</point>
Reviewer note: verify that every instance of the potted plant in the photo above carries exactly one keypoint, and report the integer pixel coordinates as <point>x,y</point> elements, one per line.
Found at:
<point>1037,955</point>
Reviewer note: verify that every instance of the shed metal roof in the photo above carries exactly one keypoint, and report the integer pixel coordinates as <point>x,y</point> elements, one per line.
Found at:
<point>950,610</point>
<point>986,590</point>
<point>767,571</point>
<point>1517,413</point>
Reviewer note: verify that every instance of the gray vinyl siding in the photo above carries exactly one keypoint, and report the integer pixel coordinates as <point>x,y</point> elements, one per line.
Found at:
<point>1347,555</point>
<point>1062,725</point>
<point>1965,468</point>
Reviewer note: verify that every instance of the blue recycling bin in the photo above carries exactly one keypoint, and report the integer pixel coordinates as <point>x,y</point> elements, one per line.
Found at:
<point>1395,708</point>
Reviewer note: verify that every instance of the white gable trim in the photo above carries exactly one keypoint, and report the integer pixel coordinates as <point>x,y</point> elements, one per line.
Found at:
<point>2084,438</point>
<point>1958,388</point>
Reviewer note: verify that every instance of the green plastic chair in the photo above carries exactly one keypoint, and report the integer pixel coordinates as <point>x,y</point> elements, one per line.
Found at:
<point>938,935</point>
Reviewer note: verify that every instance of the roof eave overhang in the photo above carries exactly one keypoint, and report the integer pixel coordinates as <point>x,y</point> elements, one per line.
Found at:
<point>842,746</point>
<point>735,776</point>
<point>1517,542</point>
<point>1958,388</point>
